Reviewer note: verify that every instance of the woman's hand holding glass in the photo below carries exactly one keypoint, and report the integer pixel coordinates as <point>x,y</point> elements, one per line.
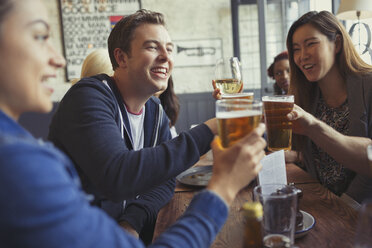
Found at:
<point>302,120</point>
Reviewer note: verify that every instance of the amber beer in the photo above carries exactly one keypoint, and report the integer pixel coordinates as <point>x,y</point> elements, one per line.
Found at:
<point>279,128</point>
<point>243,95</point>
<point>236,118</point>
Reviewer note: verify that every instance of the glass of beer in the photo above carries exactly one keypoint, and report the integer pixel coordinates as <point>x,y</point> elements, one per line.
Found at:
<point>236,118</point>
<point>243,95</point>
<point>279,128</point>
<point>228,76</point>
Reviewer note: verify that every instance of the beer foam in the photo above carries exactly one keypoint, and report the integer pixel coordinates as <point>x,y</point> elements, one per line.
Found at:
<point>278,99</point>
<point>237,114</point>
<point>237,95</point>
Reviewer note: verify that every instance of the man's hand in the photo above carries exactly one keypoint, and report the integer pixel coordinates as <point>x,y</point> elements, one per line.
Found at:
<point>236,166</point>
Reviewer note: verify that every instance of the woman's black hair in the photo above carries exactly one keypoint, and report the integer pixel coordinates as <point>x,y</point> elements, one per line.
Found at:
<point>170,102</point>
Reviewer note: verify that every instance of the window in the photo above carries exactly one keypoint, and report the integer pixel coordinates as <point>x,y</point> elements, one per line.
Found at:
<point>261,27</point>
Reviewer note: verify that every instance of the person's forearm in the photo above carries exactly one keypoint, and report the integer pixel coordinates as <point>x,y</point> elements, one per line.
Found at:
<point>350,151</point>
<point>225,193</point>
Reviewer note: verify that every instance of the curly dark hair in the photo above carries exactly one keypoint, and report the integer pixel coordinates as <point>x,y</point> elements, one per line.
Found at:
<point>280,56</point>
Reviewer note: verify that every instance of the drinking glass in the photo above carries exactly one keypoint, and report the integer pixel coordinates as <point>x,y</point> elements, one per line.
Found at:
<point>279,128</point>
<point>236,118</point>
<point>228,76</point>
<point>279,203</point>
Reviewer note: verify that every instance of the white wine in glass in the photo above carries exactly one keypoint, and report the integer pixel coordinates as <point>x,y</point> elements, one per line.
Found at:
<point>228,75</point>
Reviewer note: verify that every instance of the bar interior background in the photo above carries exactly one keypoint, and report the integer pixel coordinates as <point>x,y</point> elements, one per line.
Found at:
<point>253,30</point>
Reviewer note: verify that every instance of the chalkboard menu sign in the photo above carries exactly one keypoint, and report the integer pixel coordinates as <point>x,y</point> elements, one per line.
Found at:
<point>86,25</point>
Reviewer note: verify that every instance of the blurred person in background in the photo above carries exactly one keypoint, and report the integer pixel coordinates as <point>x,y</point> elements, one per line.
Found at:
<point>95,63</point>
<point>279,71</point>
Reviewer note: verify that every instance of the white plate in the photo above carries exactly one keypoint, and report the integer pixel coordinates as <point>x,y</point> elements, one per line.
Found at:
<point>196,176</point>
<point>308,223</point>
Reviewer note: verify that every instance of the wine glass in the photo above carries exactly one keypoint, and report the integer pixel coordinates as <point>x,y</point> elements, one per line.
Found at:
<point>228,76</point>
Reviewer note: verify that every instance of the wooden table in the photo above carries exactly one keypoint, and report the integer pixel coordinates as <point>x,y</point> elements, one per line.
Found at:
<point>335,220</point>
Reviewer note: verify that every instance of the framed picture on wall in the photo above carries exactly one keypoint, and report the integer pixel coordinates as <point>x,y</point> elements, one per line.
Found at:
<point>86,25</point>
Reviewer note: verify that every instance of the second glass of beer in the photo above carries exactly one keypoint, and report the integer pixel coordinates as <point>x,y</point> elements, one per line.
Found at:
<point>279,128</point>
<point>236,118</point>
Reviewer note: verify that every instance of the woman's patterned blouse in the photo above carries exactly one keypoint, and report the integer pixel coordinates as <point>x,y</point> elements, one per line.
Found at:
<point>330,173</point>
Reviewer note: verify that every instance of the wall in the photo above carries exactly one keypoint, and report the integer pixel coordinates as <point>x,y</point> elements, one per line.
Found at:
<point>196,20</point>
<point>191,20</point>
<point>58,83</point>
<point>211,19</point>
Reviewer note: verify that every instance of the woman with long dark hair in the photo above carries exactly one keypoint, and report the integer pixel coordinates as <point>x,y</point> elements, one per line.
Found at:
<point>171,105</point>
<point>333,95</point>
